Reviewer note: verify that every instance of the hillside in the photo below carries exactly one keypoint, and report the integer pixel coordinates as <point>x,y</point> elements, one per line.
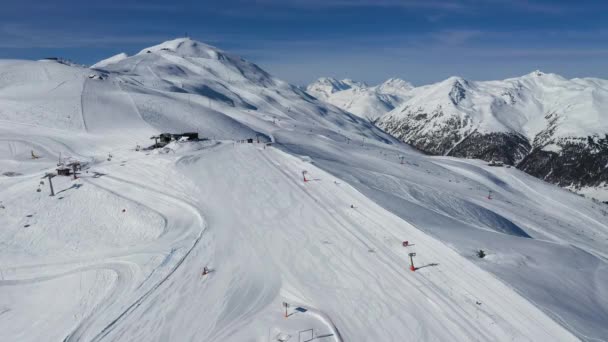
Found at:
<point>541,123</point>
<point>118,253</point>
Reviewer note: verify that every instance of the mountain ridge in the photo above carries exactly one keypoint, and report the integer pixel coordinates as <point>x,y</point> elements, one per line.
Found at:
<point>541,115</point>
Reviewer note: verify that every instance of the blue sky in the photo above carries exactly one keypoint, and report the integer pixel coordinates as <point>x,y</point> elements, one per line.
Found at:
<point>301,40</point>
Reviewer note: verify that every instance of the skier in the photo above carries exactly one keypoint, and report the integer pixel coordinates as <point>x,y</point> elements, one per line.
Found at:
<point>352,206</point>
<point>205,270</point>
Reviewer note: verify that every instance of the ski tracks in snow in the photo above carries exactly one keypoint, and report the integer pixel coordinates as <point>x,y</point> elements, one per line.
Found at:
<point>180,231</point>
<point>443,286</point>
<point>135,280</point>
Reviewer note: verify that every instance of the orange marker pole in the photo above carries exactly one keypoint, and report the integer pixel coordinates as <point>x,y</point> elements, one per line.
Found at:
<point>412,268</point>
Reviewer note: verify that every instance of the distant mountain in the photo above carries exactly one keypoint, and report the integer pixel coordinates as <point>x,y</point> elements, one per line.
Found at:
<point>324,87</point>
<point>359,98</point>
<point>546,125</point>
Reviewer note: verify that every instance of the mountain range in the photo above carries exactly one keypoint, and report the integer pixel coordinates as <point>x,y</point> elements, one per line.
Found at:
<point>359,98</point>
<point>549,126</point>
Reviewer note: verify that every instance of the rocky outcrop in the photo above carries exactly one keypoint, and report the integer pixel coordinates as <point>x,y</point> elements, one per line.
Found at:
<point>509,148</point>
<point>446,131</point>
<point>571,162</point>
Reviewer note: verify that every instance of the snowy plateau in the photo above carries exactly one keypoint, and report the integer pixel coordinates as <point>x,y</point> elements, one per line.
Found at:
<point>548,126</point>
<point>286,219</point>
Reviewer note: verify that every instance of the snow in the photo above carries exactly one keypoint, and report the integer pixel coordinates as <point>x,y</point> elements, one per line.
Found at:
<point>114,59</point>
<point>552,148</point>
<point>522,105</point>
<point>359,98</point>
<point>117,254</point>
<point>597,192</point>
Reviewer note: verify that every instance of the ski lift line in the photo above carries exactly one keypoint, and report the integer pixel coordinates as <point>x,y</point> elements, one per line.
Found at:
<point>290,179</point>
<point>428,282</point>
<point>332,215</point>
<point>421,286</point>
<point>461,266</point>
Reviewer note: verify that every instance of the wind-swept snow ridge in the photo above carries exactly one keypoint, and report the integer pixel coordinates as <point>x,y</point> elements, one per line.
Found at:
<point>114,59</point>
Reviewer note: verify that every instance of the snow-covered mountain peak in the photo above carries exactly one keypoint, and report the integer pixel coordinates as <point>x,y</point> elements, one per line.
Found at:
<point>185,47</point>
<point>394,86</point>
<point>537,73</point>
<point>458,89</point>
<point>358,97</point>
<point>353,84</point>
<point>184,64</point>
<point>397,82</point>
<point>538,78</point>
<point>325,86</point>
<point>454,81</point>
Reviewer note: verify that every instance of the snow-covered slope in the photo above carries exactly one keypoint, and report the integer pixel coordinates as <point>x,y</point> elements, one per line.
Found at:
<point>114,59</point>
<point>359,98</point>
<point>117,254</point>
